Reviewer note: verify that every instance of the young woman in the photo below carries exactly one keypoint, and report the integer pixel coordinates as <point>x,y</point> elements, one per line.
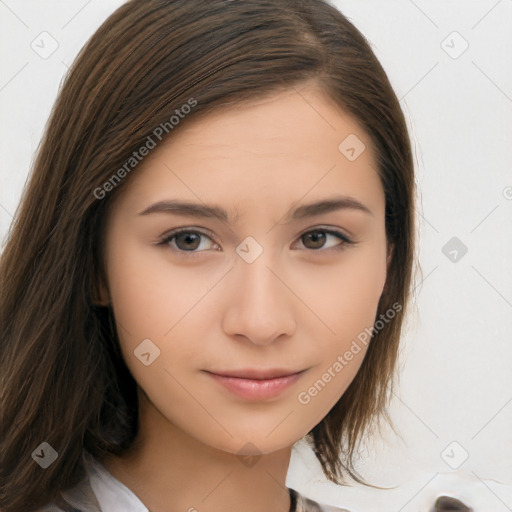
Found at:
<point>211,261</point>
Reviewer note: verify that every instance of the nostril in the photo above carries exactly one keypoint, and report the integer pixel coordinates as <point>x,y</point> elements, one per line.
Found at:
<point>445,504</point>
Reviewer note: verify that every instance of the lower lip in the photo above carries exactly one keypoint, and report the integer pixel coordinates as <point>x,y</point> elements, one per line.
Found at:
<point>252,389</point>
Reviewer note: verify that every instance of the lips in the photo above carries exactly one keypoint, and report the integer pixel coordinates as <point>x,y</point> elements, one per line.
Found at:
<point>252,384</point>
<point>256,374</point>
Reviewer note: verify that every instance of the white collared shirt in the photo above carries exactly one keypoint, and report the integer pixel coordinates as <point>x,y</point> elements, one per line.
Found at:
<point>112,495</point>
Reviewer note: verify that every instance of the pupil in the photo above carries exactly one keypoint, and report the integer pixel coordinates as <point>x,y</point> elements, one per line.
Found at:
<point>187,237</point>
<point>318,238</point>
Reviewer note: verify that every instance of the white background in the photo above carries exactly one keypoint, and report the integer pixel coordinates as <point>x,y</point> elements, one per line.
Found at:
<point>455,397</point>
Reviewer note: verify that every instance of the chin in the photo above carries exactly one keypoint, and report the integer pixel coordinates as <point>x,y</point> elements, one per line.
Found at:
<point>253,445</point>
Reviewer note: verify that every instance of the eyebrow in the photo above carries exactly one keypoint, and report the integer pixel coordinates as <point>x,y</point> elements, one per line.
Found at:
<point>208,211</point>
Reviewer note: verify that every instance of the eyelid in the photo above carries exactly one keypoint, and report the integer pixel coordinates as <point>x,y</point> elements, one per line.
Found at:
<point>186,229</point>
<point>345,239</point>
<point>166,237</point>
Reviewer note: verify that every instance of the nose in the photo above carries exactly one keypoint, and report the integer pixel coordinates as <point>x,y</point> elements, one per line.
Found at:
<point>260,306</point>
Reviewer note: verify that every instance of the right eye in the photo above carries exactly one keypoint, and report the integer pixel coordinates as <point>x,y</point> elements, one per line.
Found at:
<point>185,241</point>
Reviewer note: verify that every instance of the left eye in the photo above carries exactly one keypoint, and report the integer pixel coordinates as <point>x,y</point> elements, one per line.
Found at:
<point>318,238</point>
<point>189,241</point>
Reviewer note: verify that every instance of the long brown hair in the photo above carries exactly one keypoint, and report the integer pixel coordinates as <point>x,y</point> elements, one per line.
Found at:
<point>64,381</point>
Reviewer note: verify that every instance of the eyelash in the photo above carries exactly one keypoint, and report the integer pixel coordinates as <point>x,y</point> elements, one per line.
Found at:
<point>167,238</point>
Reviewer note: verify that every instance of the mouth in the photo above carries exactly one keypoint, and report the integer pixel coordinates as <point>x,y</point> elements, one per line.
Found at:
<point>252,384</point>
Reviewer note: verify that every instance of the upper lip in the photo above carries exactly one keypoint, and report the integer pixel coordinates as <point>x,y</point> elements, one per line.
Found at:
<point>256,374</point>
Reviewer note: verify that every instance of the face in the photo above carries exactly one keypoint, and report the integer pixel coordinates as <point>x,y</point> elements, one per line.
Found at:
<point>277,286</point>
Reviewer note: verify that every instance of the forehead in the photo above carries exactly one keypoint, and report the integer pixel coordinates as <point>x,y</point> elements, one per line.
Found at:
<point>289,145</point>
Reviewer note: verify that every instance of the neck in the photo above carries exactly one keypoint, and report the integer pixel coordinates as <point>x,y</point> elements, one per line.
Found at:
<point>168,470</point>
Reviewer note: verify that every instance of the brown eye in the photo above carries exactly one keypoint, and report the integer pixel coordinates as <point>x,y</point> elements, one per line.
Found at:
<point>317,238</point>
<point>186,242</point>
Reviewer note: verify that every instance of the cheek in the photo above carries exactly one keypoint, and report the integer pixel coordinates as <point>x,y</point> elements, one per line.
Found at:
<point>346,301</point>
<point>165,304</point>
<point>150,296</point>
<point>137,302</point>
<point>360,288</point>
<point>347,304</point>
<point>345,297</point>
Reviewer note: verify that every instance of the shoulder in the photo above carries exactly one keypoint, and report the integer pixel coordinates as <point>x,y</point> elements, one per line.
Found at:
<point>302,504</point>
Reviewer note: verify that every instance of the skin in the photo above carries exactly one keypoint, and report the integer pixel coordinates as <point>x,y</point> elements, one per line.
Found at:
<point>298,305</point>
